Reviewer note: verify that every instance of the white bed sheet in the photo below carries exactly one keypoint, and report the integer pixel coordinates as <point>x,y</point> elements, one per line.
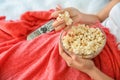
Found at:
<point>14,8</point>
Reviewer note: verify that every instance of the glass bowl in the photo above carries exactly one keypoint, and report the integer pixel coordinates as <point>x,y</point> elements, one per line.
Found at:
<point>82,44</point>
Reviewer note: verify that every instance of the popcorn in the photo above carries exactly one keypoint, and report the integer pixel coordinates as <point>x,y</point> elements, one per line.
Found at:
<point>83,40</point>
<point>65,16</point>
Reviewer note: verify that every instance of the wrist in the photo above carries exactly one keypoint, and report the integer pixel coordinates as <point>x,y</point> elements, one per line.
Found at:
<point>88,18</point>
<point>91,71</point>
<point>81,18</point>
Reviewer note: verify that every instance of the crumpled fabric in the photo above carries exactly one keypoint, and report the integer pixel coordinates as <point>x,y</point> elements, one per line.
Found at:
<point>39,59</point>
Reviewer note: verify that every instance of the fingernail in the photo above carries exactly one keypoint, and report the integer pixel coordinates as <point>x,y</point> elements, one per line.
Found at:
<point>58,7</point>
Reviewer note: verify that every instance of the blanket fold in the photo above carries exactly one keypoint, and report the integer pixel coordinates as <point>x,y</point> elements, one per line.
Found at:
<point>39,59</point>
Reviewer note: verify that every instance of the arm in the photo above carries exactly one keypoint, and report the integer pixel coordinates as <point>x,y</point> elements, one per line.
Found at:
<point>96,74</point>
<point>79,17</point>
<point>101,16</point>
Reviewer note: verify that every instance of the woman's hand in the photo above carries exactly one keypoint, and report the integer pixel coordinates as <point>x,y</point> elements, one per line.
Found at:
<point>84,65</point>
<point>74,15</point>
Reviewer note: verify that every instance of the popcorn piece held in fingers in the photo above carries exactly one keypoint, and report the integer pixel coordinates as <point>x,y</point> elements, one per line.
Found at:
<point>66,17</point>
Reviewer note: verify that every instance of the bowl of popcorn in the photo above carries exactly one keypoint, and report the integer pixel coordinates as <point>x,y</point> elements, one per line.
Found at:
<point>83,40</point>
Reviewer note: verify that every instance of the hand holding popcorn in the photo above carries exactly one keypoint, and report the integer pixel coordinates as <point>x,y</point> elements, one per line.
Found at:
<point>65,17</point>
<point>76,17</point>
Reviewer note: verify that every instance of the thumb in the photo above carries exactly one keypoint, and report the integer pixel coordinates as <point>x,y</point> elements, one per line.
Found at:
<point>58,7</point>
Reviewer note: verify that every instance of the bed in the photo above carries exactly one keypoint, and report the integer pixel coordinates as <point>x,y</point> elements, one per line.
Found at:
<point>13,9</point>
<point>39,59</point>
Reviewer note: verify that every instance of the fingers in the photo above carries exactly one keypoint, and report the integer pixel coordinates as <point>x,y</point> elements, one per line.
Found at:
<point>58,7</point>
<point>73,60</point>
<point>58,28</point>
<point>58,24</point>
<point>63,54</point>
<point>66,57</point>
<point>56,13</point>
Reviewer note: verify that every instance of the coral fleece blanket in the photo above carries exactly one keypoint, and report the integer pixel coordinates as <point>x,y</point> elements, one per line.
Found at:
<point>39,59</point>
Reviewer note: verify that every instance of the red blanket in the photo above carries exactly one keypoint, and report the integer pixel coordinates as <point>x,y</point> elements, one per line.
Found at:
<point>39,58</point>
